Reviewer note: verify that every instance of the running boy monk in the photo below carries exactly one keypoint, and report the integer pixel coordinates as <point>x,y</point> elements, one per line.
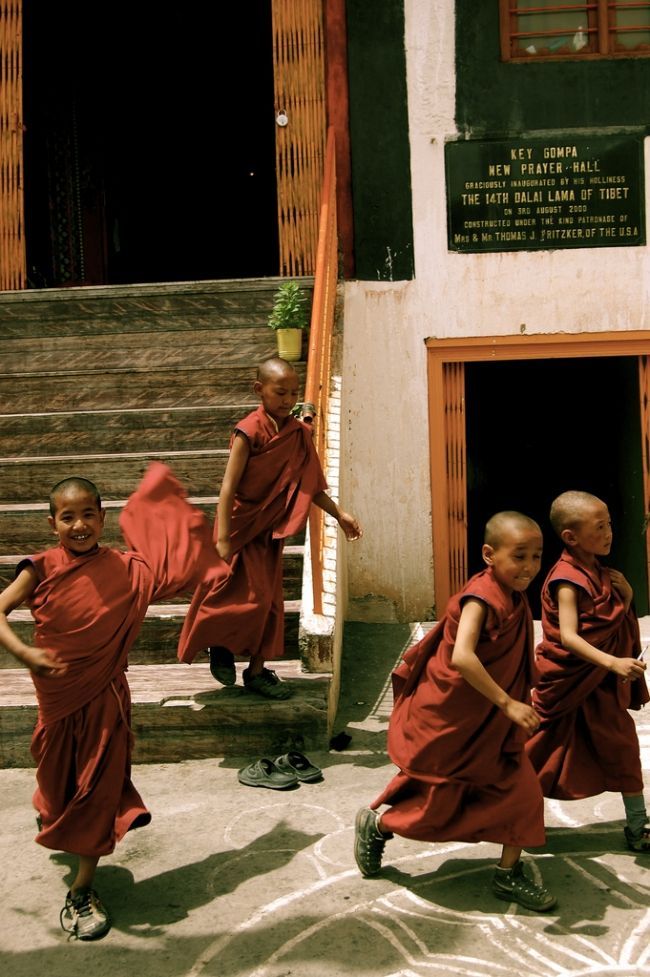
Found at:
<point>589,671</point>
<point>459,722</point>
<point>272,477</point>
<point>88,602</point>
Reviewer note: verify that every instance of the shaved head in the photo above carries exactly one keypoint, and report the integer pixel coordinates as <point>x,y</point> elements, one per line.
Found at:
<point>504,524</point>
<point>79,484</point>
<point>570,509</point>
<point>273,368</point>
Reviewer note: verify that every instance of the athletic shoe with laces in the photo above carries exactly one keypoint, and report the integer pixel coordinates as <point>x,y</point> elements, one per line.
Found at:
<point>513,885</point>
<point>83,915</point>
<point>266,684</point>
<point>369,842</point>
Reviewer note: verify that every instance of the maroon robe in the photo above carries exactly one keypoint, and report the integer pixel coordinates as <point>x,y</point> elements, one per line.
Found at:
<point>464,775</point>
<point>88,610</point>
<point>240,605</point>
<point>587,742</point>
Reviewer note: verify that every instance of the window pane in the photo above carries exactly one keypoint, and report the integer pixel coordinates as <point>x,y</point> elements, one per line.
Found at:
<point>631,26</point>
<point>546,27</point>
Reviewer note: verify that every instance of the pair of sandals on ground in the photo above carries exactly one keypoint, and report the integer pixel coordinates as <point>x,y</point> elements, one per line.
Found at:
<point>289,770</point>
<point>265,683</point>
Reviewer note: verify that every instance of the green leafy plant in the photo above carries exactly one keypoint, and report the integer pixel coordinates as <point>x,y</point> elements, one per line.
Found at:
<point>290,308</point>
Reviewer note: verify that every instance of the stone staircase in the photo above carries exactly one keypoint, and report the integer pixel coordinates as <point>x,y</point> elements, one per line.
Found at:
<point>99,381</point>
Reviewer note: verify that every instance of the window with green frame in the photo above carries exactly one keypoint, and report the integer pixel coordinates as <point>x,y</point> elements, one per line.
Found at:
<point>532,30</point>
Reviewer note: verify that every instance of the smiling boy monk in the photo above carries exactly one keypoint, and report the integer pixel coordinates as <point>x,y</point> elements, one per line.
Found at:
<point>272,477</point>
<point>460,719</point>
<point>589,671</point>
<point>88,602</point>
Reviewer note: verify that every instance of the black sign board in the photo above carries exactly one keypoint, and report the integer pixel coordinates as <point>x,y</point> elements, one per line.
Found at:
<point>560,191</point>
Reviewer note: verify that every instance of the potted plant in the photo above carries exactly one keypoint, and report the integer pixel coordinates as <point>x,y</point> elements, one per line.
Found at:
<point>289,317</point>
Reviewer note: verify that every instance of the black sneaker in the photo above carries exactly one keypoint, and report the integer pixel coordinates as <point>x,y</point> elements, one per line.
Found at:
<point>83,915</point>
<point>266,684</point>
<point>222,665</point>
<point>369,842</point>
<point>513,885</point>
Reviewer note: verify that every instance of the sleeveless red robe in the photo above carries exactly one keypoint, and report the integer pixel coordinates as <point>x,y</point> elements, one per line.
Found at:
<point>464,775</point>
<point>88,611</point>
<point>587,742</point>
<point>240,605</point>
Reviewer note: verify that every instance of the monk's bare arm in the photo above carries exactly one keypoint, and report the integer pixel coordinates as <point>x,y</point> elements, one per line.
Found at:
<point>465,659</point>
<point>237,461</point>
<point>348,523</point>
<point>38,660</point>
<point>567,603</point>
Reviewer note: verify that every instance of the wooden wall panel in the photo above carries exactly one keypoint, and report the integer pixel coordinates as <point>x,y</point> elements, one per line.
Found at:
<point>299,82</point>
<point>12,238</point>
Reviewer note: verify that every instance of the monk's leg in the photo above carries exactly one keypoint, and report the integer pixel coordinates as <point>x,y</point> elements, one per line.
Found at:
<point>637,829</point>
<point>85,873</point>
<point>509,856</point>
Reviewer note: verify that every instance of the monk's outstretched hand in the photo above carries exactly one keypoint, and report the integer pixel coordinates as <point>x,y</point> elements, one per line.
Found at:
<point>350,526</point>
<point>523,715</point>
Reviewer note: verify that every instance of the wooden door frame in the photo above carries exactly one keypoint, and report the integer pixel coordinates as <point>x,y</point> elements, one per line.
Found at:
<point>443,421</point>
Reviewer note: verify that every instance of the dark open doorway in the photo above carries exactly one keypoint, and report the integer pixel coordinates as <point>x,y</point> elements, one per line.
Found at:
<point>149,144</point>
<point>537,428</point>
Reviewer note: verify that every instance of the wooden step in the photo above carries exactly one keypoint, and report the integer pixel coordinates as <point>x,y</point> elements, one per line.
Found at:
<point>120,310</point>
<point>157,641</point>
<point>116,475</point>
<point>111,431</point>
<point>180,713</point>
<point>291,569</point>
<point>24,527</point>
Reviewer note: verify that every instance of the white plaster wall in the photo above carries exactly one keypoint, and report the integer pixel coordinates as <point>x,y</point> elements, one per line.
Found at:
<point>386,477</point>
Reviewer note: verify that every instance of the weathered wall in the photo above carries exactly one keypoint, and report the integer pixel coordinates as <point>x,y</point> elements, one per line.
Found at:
<point>386,480</point>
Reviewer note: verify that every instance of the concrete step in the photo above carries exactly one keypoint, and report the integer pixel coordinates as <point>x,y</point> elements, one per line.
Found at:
<point>158,638</point>
<point>111,431</point>
<point>181,713</point>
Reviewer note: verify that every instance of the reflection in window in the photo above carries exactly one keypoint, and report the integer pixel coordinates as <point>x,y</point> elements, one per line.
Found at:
<point>543,28</point>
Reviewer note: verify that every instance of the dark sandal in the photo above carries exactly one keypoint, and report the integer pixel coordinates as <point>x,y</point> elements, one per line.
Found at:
<point>264,773</point>
<point>300,766</point>
<point>222,665</point>
<point>640,844</point>
<point>266,684</point>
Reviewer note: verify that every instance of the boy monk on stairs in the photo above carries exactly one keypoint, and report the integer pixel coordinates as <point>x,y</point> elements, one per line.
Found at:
<point>88,602</point>
<point>272,477</point>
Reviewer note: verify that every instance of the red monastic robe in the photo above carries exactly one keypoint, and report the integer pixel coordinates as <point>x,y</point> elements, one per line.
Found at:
<point>88,610</point>
<point>587,742</point>
<point>240,605</point>
<point>464,775</point>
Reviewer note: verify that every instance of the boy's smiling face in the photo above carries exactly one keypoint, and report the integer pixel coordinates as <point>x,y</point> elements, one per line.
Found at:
<point>78,521</point>
<point>517,556</point>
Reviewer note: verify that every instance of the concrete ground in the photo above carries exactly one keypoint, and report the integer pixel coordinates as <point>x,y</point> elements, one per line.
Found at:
<point>233,881</point>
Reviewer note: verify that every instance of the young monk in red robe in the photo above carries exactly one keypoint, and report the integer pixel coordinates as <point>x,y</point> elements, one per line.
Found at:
<point>589,671</point>
<point>460,719</point>
<point>272,477</point>
<point>88,603</point>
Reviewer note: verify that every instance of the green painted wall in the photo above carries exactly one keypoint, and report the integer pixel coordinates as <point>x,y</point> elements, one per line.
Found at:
<point>381,178</point>
<point>495,98</point>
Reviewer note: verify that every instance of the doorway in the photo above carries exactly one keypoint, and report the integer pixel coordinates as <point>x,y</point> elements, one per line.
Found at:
<point>149,143</point>
<point>537,428</point>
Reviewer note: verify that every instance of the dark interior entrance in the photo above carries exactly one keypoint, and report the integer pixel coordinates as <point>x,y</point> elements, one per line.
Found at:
<point>149,143</point>
<point>537,428</point>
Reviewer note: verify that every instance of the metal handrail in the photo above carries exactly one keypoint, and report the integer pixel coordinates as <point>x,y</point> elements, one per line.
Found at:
<point>319,356</point>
